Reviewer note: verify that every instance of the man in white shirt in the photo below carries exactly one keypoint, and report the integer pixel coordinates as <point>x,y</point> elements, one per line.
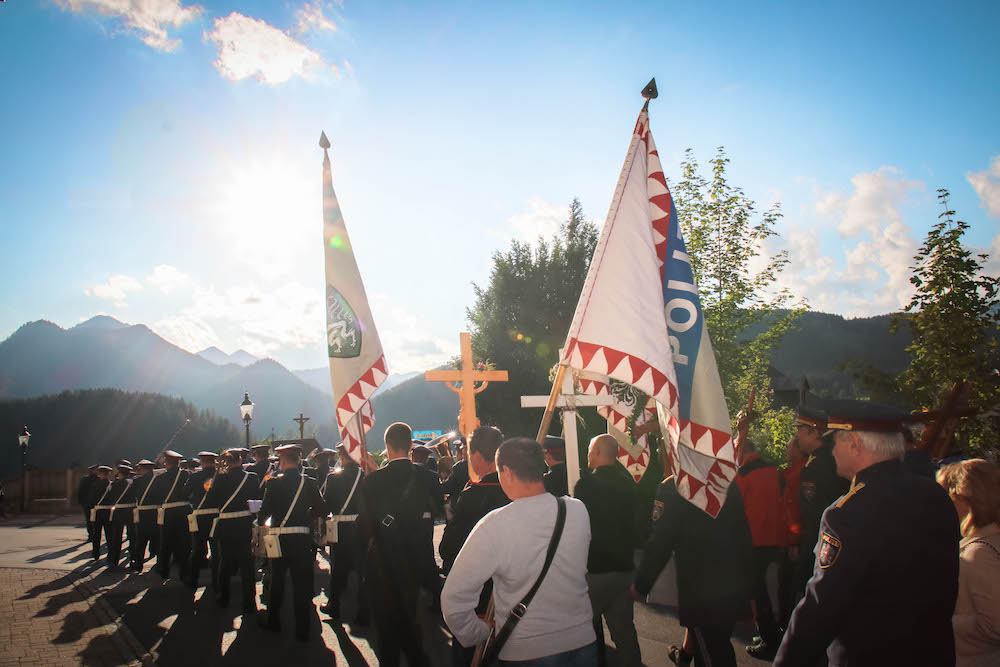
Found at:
<point>509,545</point>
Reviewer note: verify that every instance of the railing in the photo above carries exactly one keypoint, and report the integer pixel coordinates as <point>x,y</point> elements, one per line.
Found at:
<point>48,491</point>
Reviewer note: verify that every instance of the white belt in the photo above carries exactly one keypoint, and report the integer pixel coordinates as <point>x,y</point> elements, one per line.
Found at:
<point>103,507</point>
<point>146,508</point>
<point>203,512</point>
<point>345,517</point>
<point>234,515</point>
<point>296,530</point>
<point>121,506</point>
<point>170,506</point>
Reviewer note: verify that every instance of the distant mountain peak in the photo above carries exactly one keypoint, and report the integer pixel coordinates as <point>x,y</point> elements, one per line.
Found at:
<point>101,322</point>
<point>220,358</point>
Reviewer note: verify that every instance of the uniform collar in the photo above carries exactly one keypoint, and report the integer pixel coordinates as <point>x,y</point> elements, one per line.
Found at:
<point>877,471</point>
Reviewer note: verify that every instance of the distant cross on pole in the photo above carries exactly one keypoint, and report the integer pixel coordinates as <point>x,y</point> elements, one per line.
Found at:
<point>302,425</point>
<point>468,376</point>
<point>568,402</point>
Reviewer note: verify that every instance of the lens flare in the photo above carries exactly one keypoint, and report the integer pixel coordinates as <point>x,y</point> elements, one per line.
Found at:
<point>336,242</point>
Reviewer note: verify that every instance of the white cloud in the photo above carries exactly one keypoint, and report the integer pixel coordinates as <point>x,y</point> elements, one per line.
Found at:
<point>310,17</point>
<point>149,18</point>
<point>539,218</point>
<point>115,289</point>
<point>410,344</point>
<point>250,47</point>
<point>185,331</point>
<point>987,186</point>
<point>167,278</point>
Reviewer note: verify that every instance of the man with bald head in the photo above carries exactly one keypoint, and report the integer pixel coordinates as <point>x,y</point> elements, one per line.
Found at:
<point>609,494</point>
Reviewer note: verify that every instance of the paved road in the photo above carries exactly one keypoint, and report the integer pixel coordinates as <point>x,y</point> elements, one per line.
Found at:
<point>77,613</point>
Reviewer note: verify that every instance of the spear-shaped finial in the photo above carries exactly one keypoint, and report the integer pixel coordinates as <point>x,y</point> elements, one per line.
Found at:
<point>324,143</point>
<point>649,92</point>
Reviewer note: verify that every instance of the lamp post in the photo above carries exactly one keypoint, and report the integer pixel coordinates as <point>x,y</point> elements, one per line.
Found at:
<point>246,411</point>
<point>22,440</point>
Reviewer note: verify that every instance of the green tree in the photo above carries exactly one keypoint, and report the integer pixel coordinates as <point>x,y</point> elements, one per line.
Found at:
<point>737,282</point>
<point>521,317</point>
<point>954,317</point>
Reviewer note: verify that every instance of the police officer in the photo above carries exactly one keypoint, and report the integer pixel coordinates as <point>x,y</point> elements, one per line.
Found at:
<point>196,492</point>
<point>83,498</point>
<point>394,500</point>
<point>231,529</point>
<point>291,502</point>
<point>121,514</point>
<point>100,502</point>
<point>171,516</point>
<point>819,487</point>
<point>341,491</point>
<point>886,576</point>
<point>145,531</point>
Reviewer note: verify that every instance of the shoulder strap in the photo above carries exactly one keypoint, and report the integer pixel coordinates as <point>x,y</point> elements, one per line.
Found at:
<point>124,491</point>
<point>146,490</point>
<point>298,492</point>
<point>203,497</point>
<point>351,494</point>
<point>517,613</point>
<point>105,494</point>
<point>243,481</point>
<point>172,487</point>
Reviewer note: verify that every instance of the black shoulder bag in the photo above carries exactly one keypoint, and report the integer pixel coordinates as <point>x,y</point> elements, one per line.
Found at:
<point>517,613</point>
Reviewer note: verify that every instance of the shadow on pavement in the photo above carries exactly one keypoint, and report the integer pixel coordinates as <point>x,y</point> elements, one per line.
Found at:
<point>52,555</point>
<point>62,582</point>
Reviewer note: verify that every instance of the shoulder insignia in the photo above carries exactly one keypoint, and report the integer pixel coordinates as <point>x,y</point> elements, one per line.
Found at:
<point>829,549</point>
<point>657,509</point>
<point>854,489</point>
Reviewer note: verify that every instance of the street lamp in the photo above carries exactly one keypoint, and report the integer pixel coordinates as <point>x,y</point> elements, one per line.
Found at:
<point>246,411</point>
<point>22,440</point>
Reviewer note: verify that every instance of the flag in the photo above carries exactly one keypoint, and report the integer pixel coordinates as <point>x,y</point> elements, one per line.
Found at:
<point>357,364</point>
<point>639,321</point>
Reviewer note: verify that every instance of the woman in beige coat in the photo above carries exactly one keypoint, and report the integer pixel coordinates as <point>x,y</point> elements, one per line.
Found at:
<point>974,487</point>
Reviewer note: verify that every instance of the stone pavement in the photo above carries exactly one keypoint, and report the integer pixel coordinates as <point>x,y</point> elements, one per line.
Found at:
<point>59,608</point>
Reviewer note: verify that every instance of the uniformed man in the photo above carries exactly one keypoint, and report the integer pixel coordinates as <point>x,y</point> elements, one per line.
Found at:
<point>476,501</point>
<point>231,529</point>
<point>886,577</point>
<point>83,498</point>
<point>172,512</point>
<point>291,503</point>
<point>100,509</point>
<point>341,490</point>
<point>145,530</point>
<point>321,459</point>
<point>260,465</point>
<point>121,515</point>
<point>394,501</point>
<point>819,486</point>
<point>556,479</point>
<point>196,491</point>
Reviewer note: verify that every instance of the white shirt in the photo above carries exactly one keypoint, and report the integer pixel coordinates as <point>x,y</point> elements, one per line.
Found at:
<point>509,546</point>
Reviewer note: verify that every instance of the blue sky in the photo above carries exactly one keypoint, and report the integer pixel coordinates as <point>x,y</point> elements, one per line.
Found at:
<point>161,164</point>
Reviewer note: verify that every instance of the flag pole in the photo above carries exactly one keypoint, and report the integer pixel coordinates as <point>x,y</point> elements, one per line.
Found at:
<point>550,407</point>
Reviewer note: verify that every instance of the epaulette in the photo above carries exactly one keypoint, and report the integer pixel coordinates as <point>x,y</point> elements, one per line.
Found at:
<point>854,489</point>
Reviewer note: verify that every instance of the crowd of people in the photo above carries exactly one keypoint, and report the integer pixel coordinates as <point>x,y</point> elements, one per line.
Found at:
<point>882,558</point>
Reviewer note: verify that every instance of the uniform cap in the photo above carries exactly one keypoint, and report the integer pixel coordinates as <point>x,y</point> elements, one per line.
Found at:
<point>807,415</point>
<point>256,447</point>
<point>125,467</point>
<point>94,466</point>
<point>844,415</point>
<point>125,462</point>
<point>272,459</point>
<point>207,455</point>
<point>145,462</point>
<point>171,454</point>
<point>288,448</point>
<point>105,468</point>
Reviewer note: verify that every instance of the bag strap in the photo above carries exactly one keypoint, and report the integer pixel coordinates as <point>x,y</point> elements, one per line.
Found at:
<point>105,494</point>
<point>517,613</point>
<point>298,492</point>
<point>235,493</point>
<point>351,494</point>
<point>146,490</point>
<point>127,486</point>
<point>172,487</point>
<point>203,497</point>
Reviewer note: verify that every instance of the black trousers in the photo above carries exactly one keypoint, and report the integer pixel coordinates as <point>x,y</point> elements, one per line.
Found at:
<point>119,528</point>
<point>767,626</point>
<point>395,622</point>
<point>714,646</point>
<point>200,552</point>
<point>345,557</point>
<point>146,533</point>
<point>102,523</point>
<point>175,542</point>
<point>233,548</point>
<point>90,524</point>
<point>297,559</point>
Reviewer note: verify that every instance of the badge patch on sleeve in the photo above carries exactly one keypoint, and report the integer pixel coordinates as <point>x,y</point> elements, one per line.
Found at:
<point>657,509</point>
<point>829,549</point>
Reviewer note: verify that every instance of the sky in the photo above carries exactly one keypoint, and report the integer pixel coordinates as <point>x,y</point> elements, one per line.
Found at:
<point>161,164</point>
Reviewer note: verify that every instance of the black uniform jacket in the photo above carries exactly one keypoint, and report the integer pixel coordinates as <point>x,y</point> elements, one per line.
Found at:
<point>194,488</point>
<point>609,494</point>
<point>338,488</point>
<point>886,577</point>
<point>121,492</point>
<point>219,496</point>
<point>476,501</point>
<point>819,488</point>
<point>139,486</point>
<point>556,480</point>
<point>97,494</point>
<point>714,556</point>
<point>260,469</point>
<point>457,480</point>
<point>278,495</point>
<point>83,491</point>
<point>160,494</point>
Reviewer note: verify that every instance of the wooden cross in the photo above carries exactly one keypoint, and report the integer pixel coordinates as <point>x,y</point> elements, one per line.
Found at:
<point>302,425</point>
<point>468,376</point>
<point>568,402</point>
<point>940,424</point>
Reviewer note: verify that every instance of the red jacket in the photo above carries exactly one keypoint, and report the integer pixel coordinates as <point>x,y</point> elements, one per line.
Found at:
<point>760,486</point>
<point>790,501</point>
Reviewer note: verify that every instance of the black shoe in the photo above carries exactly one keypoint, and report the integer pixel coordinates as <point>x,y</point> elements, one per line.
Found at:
<point>763,651</point>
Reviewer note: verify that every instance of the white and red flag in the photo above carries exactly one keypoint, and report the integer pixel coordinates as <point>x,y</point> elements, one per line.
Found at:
<point>639,321</point>
<point>357,364</point>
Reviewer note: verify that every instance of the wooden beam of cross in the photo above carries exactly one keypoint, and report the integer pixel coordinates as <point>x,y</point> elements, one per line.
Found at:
<point>568,402</point>
<point>302,425</point>
<point>468,377</point>
<point>940,424</point>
